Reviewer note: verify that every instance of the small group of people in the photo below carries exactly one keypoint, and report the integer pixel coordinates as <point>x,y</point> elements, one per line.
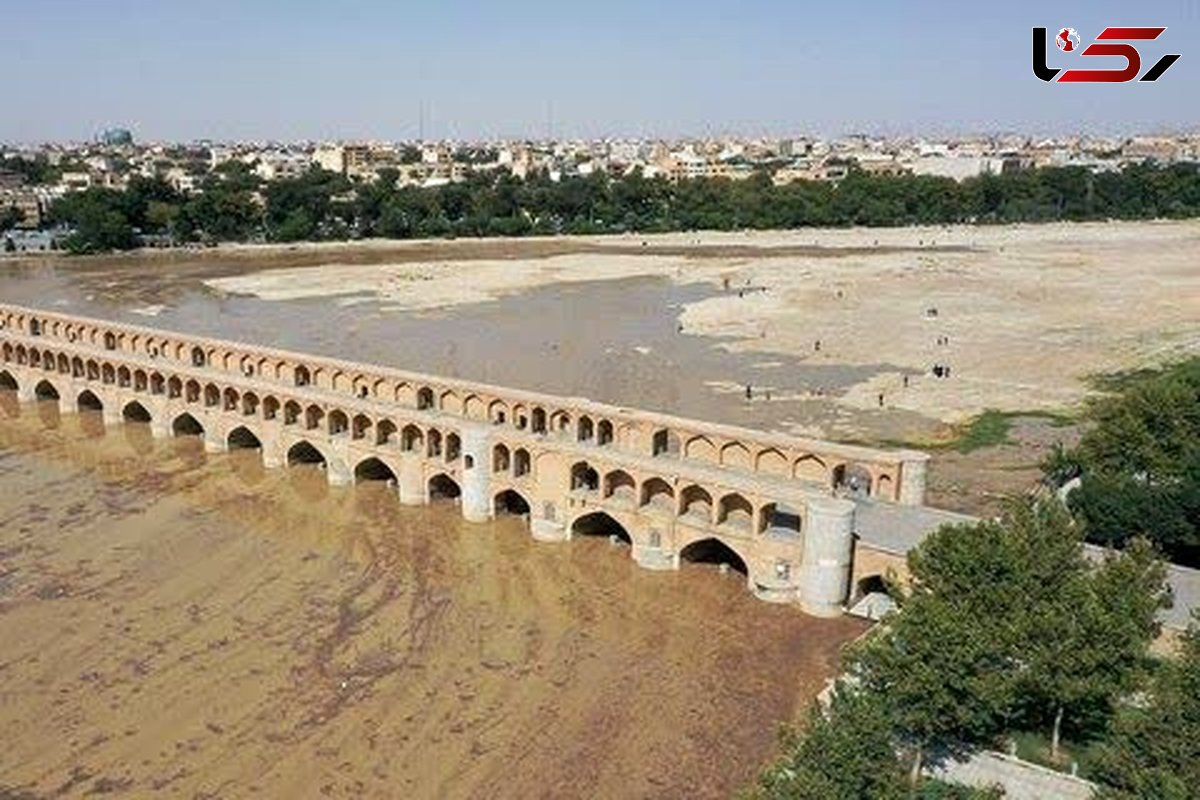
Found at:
<point>941,371</point>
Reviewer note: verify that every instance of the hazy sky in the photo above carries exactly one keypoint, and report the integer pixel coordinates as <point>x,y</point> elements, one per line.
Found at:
<point>311,69</point>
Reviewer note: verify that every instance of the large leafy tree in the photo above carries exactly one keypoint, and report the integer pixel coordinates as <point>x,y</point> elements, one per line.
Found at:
<point>1154,750</point>
<point>1009,625</point>
<point>1140,464</point>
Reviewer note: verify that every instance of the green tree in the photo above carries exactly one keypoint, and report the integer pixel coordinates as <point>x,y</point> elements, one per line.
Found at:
<point>1154,750</point>
<point>1140,464</point>
<point>10,217</point>
<point>845,752</point>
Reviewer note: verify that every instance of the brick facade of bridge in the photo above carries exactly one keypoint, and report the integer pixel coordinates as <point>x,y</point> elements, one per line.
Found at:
<point>672,485</point>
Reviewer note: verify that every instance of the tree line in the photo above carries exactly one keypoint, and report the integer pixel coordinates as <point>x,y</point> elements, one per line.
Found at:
<point>233,204</point>
<point>1007,627</point>
<point>1138,463</point>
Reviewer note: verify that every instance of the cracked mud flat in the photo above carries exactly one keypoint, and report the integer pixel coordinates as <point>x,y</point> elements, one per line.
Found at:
<point>182,625</point>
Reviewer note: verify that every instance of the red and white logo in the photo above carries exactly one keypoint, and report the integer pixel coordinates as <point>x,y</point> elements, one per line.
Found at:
<point>1110,42</point>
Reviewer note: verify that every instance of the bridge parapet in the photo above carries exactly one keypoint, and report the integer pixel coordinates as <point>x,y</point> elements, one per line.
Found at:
<point>897,476</point>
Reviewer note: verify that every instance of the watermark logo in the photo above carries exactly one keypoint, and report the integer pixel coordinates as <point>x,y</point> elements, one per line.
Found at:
<point>1110,42</point>
<point>1067,40</point>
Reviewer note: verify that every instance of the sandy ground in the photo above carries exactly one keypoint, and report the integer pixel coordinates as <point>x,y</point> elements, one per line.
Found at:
<point>1024,314</point>
<point>176,625</point>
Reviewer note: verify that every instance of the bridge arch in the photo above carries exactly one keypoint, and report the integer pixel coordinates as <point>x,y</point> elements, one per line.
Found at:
<point>510,501</point>
<point>373,469</point>
<point>242,438</point>
<point>135,412</point>
<point>658,494</point>
<point>735,511</point>
<point>695,501</point>
<point>521,463</point>
<point>713,551</point>
<point>442,487</point>
<point>87,401</point>
<point>186,425</point>
<point>599,523</point>
<point>584,477</point>
<point>412,439</point>
<point>620,485</point>
<point>305,452</point>
<point>8,382</point>
<point>45,390</point>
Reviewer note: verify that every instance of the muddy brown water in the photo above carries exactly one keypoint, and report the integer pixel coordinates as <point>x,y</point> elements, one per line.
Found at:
<point>176,624</point>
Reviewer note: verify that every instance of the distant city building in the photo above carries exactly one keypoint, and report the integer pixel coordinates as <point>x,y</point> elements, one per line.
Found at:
<point>116,137</point>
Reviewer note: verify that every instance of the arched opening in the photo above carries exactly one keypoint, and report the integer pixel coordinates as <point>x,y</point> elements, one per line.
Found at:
<point>45,391</point>
<point>852,479</point>
<point>385,432</point>
<point>560,422</point>
<point>231,399</point>
<point>302,376</point>
<point>871,584</point>
<point>199,359</point>
<point>361,427</point>
<point>442,488</point>
<point>304,453</point>
<point>538,420</point>
<point>586,429</point>
<point>291,413</point>
<point>87,401</point>
<point>500,458</point>
<point>174,387</point>
<point>736,512</point>
<point>434,449</point>
<point>157,383</point>
<point>779,519</point>
<point>312,417</point>
<point>212,396</point>
<point>249,404</point>
<point>497,412</point>
<point>135,412</point>
<point>108,374</point>
<point>77,368</point>
<point>8,382</point>
<point>665,443</point>
<point>110,341</point>
<point>192,392</point>
<point>510,502</point>
<point>619,485</point>
<point>187,425</point>
<point>713,551</point>
<point>270,407</point>
<point>584,478</point>
<point>240,438</point>
<point>140,381</point>
<point>658,495</point>
<point>695,502</point>
<point>338,423</point>
<point>412,440</point>
<point>425,398</point>
<point>453,446</point>
<point>600,524</point>
<point>372,469</point>
<point>521,462</point>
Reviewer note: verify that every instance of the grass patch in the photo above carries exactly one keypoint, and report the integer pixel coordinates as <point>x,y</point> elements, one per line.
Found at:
<point>989,429</point>
<point>1034,747</point>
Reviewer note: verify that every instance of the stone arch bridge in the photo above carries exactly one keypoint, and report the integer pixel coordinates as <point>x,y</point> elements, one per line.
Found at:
<point>777,507</point>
